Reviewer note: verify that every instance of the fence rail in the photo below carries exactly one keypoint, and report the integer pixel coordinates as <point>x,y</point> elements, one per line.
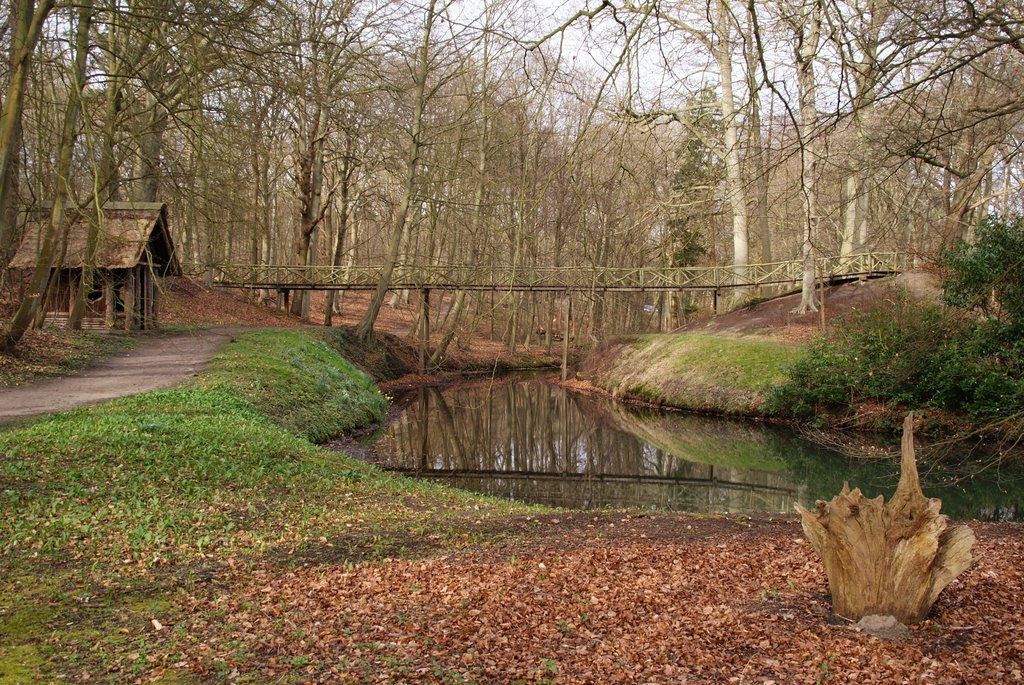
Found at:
<point>557,279</point>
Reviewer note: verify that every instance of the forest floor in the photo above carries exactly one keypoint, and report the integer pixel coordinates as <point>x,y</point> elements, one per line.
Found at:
<point>193,535</point>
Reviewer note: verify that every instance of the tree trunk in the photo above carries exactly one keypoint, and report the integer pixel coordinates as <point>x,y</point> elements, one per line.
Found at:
<point>343,210</point>
<point>80,300</point>
<point>310,180</point>
<point>755,154</point>
<point>887,559</point>
<point>733,169</point>
<point>151,144</point>
<point>109,170</point>
<point>805,52</point>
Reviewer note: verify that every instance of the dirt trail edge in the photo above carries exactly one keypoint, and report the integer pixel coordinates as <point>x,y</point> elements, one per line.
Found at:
<point>158,361</point>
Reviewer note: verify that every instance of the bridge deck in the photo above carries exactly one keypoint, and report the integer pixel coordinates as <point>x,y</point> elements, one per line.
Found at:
<point>550,279</point>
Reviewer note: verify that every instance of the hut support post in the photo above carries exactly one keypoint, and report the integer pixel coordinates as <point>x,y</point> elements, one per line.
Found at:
<point>129,300</point>
<point>109,293</point>
<point>149,320</point>
<point>139,297</point>
<point>155,306</point>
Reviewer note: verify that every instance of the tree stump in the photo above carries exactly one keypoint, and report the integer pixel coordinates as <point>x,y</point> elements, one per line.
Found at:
<point>888,559</point>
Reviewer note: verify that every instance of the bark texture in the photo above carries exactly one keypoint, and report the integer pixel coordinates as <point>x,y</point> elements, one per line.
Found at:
<point>887,558</point>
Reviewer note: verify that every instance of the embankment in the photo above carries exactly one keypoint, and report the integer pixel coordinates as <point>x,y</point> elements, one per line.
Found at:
<point>690,370</point>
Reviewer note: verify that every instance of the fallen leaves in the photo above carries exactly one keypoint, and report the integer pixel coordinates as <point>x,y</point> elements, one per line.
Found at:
<point>749,608</point>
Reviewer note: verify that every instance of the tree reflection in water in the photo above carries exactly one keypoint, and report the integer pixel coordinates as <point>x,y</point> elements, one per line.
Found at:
<point>533,441</point>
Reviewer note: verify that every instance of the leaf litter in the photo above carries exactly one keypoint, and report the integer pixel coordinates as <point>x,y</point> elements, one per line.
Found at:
<point>661,599</point>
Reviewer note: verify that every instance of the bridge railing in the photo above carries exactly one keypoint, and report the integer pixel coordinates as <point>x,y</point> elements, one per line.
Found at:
<point>544,278</point>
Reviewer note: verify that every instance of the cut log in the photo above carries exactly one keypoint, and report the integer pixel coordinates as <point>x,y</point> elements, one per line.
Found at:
<point>889,559</point>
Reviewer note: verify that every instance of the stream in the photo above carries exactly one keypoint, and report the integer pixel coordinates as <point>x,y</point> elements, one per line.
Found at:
<point>527,439</point>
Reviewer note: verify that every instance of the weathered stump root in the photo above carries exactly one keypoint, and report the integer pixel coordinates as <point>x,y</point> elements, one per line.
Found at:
<point>889,559</point>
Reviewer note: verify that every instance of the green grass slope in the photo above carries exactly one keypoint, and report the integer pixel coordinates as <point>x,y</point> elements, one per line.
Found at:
<point>691,371</point>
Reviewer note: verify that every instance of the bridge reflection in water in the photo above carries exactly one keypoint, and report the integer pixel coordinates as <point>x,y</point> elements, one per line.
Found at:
<point>536,442</point>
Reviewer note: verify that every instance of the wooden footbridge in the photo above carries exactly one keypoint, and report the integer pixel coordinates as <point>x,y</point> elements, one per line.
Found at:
<point>566,279</point>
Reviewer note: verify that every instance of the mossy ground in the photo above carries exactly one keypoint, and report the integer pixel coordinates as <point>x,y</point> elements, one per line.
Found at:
<point>692,371</point>
<point>110,512</point>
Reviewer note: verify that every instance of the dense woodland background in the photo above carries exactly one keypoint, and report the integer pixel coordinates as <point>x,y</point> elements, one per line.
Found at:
<point>619,133</point>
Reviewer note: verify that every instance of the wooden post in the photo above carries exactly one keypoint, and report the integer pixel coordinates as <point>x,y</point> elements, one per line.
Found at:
<point>714,300</point>
<point>129,299</point>
<point>565,336</point>
<point>156,303</point>
<point>424,327</point>
<point>149,316</point>
<point>109,293</point>
<point>139,297</point>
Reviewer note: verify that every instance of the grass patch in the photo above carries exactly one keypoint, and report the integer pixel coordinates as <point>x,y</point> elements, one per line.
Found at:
<point>19,663</point>
<point>692,371</point>
<point>52,352</point>
<point>744,364</point>
<point>297,381</point>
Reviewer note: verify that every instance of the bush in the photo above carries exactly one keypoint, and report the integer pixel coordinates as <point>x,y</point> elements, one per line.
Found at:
<point>912,354</point>
<point>987,275</point>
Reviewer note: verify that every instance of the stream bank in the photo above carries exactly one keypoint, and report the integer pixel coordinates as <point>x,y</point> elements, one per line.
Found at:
<point>692,371</point>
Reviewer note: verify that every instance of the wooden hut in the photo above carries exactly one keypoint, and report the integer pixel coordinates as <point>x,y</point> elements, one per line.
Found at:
<point>134,250</point>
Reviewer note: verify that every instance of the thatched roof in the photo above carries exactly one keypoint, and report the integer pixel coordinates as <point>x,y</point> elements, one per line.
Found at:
<point>127,231</point>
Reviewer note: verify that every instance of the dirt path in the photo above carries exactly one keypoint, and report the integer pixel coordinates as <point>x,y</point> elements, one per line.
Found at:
<point>158,361</point>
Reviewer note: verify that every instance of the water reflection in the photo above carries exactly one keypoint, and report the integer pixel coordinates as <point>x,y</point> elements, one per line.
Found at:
<point>529,440</point>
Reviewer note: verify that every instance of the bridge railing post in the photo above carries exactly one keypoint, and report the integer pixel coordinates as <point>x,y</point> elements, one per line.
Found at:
<point>424,328</point>
<point>565,335</point>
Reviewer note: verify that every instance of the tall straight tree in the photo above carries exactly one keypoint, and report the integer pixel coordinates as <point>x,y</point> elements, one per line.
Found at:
<point>716,38</point>
<point>805,24</point>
